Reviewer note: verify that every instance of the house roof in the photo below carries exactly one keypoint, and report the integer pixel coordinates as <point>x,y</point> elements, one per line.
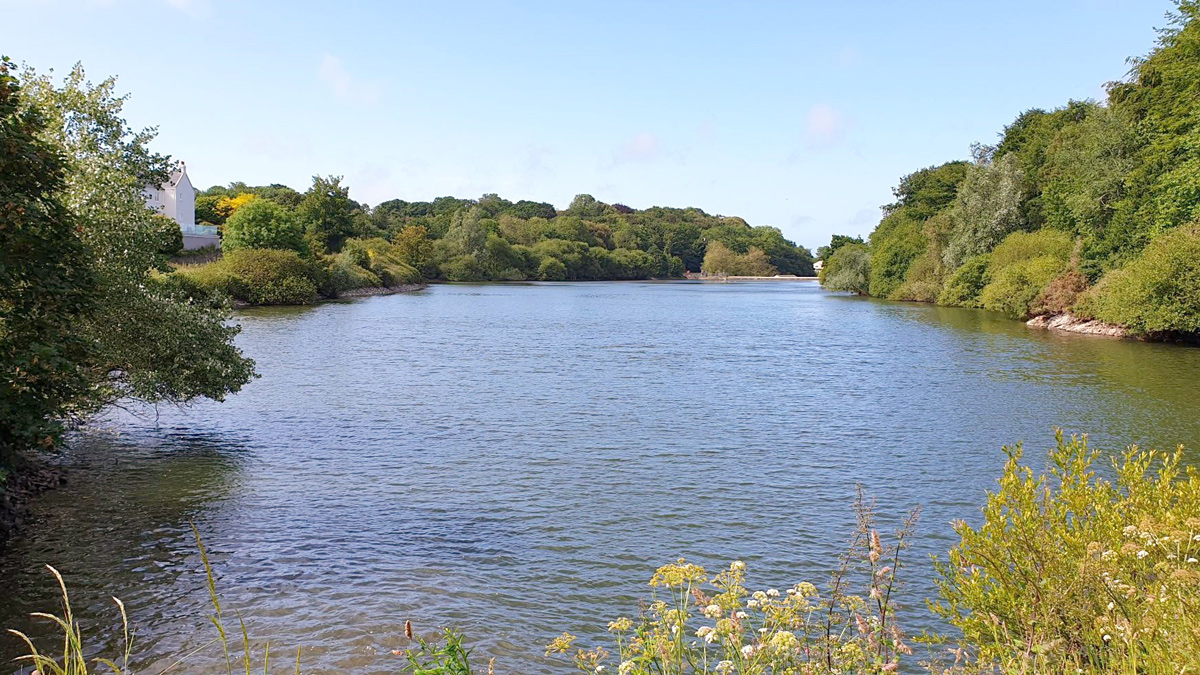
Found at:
<point>177,175</point>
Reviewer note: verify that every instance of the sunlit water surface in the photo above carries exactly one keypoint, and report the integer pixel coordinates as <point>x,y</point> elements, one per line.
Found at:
<point>515,460</point>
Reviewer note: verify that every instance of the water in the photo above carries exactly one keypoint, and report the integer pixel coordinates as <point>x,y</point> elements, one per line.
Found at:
<point>515,460</point>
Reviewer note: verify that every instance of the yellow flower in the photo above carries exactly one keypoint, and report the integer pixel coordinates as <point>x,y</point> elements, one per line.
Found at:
<point>560,645</point>
<point>678,574</point>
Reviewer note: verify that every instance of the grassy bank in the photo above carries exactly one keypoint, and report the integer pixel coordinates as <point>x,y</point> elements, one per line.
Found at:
<point>1065,572</point>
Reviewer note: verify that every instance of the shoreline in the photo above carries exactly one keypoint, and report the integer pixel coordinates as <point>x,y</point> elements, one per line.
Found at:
<point>365,292</point>
<point>1069,323</point>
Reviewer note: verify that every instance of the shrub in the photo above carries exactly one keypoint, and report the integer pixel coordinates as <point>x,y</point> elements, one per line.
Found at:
<point>963,287</point>
<point>463,268</point>
<point>1072,573</point>
<point>849,269</point>
<point>261,223</point>
<point>895,244</point>
<point>1014,288</point>
<point>922,282</point>
<point>1158,292</point>
<point>1021,266</point>
<point>1061,294</point>
<point>384,259</point>
<point>168,234</point>
<point>552,269</point>
<point>345,275</point>
<point>1021,246</point>
<point>258,276</point>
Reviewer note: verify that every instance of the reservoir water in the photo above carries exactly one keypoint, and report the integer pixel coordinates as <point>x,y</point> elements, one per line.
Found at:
<point>516,460</point>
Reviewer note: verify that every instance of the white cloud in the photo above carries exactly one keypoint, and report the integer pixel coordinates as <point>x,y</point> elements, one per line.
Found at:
<point>824,125</point>
<point>643,147</point>
<point>344,85</point>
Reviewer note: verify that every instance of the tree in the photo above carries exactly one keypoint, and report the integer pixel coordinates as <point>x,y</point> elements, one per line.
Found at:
<point>148,341</point>
<point>466,235</point>
<point>327,213</point>
<point>848,270</point>
<point>925,192</point>
<point>45,283</point>
<point>987,209</point>
<point>415,246</point>
<point>263,224</point>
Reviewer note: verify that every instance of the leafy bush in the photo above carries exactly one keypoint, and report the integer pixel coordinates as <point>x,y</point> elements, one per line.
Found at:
<point>720,259</point>
<point>258,276</point>
<point>384,259</point>
<point>849,269</point>
<point>1014,288</point>
<point>1021,266</point>
<point>344,274</point>
<point>922,281</point>
<point>261,223</point>
<point>463,268</point>
<point>552,269</point>
<point>1071,573</point>
<point>963,287</point>
<point>1158,292</point>
<point>168,234</point>
<point>894,245</point>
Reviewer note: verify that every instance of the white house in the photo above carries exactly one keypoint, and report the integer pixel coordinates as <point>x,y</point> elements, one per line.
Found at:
<point>176,199</point>
<point>818,266</point>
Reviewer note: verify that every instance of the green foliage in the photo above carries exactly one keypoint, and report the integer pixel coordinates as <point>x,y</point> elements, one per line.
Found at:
<point>552,269</point>
<point>1158,292</point>
<point>463,268</point>
<point>258,276</point>
<point>46,283</point>
<point>923,193</point>
<point>1069,572</point>
<point>1021,246</point>
<point>965,285</point>
<point>894,245</point>
<point>836,242</point>
<point>720,259</point>
<point>383,259</point>
<point>327,213</point>
<point>1021,267</point>
<point>344,274</point>
<point>446,656</point>
<point>262,223</point>
<point>848,270</point>
<point>986,210</point>
<point>168,234</point>
<point>145,337</point>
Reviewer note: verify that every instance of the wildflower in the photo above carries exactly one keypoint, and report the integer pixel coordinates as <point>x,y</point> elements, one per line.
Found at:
<point>752,603</point>
<point>760,596</point>
<point>712,611</point>
<point>883,572</point>
<point>747,651</point>
<point>1108,555</point>
<point>783,640</point>
<point>743,615</point>
<point>891,667</point>
<point>1196,538</point>
<point>620,625</point>
<point>806,589</point>
<point>1107,637</point>
<point>625,668</point>
<point>725,667</point>
<point>1110,606</point>
<point>1129,530</point>
<point>560,645</point>
<point>773,593</point>
<point>1142,554</point>
<point>875,593</point>
<point>678,574</point>
<point>1191,560</point>
<point>708,633</point>
<point>737,566</point>
<point>599,669</point>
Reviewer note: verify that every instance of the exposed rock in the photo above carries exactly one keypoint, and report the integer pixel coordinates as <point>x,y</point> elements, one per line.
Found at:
<point>1073,324</point>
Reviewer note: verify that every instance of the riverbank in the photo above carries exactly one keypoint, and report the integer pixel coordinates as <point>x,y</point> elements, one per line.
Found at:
<point>365,292</point>
<point>1069,323</point>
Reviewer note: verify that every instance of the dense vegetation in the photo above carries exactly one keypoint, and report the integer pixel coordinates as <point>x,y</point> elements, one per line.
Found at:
<point>485,239</point>
<point>1090,209</point>
<point>85,319</point>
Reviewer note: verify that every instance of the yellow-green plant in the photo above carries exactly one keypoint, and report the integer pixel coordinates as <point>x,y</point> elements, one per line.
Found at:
<point>697,624</point>
<point>1072,572</point>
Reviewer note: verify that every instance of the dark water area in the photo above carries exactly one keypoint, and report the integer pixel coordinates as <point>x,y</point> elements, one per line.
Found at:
<point>516,460</point>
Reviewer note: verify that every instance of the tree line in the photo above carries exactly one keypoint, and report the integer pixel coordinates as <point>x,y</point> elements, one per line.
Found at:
<point>495,239</point>
<point>1091,209</point>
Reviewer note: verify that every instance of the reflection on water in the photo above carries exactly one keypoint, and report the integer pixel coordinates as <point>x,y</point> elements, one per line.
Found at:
<point>515,460</point>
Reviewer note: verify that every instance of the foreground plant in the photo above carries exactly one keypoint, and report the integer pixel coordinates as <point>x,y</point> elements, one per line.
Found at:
<point>1072,572</point>
<point>697,624</point>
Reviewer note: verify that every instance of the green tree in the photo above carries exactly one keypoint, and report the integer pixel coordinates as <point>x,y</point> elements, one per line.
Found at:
<point>848,270</point>
<point>987,209</point>
<point>262,223</point>
<point>46,283</point>
<point>327,213</point>
<point>147,338</point>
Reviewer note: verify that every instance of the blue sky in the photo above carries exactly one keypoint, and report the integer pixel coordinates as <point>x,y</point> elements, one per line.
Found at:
<point>801,115</point>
